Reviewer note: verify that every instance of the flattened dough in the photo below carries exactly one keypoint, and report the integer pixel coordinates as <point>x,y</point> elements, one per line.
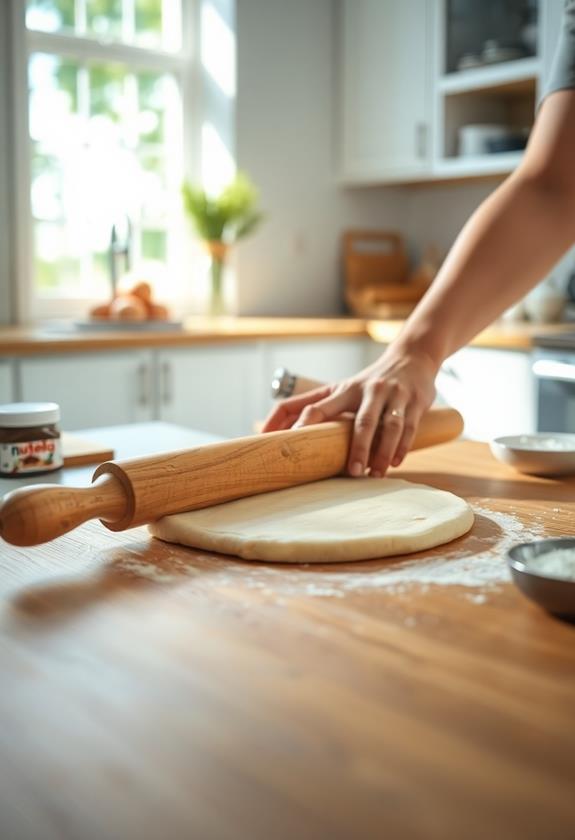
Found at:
<point>333,521</point>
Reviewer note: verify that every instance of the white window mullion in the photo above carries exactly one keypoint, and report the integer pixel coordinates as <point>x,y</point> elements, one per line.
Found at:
<point>84,114</point>
<point>83,48</point>
<point>172,33</point>
<point>131,110</point>
<point>128,21</point>
<point>80,17</point>
<point>24,243</point>
<point>130,129</point>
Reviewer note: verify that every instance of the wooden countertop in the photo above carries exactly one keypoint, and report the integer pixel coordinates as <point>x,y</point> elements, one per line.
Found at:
<point>33,340</point>
<point>54,339</point>
<point>152,691</point>
<point>499,336</point>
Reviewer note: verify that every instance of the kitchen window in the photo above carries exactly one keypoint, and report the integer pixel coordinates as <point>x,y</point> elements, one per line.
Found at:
<point>101,140</point>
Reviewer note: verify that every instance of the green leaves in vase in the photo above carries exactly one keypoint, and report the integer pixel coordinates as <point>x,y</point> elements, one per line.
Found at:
<point>227,217</point>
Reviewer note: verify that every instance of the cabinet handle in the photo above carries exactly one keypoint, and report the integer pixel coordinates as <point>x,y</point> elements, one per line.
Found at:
<point>167,391</point>
<point>143,385</point>
<point>421,140</point>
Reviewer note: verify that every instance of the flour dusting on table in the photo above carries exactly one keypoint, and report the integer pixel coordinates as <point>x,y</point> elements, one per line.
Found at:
<point>477,563</point>
<point>469,566</point>
<point>148,571</point>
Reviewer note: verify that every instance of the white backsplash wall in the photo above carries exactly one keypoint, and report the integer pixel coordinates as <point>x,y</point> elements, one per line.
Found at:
<point>436,213</point>
<point>286,140</point>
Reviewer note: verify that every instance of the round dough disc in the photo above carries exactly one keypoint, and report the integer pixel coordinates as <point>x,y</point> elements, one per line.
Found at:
<point>333,521</point>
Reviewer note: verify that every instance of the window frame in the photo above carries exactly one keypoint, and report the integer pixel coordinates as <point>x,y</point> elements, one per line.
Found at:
<point>27,305</point>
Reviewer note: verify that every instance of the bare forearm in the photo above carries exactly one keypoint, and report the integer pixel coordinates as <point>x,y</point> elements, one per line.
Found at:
<point>509,244</point>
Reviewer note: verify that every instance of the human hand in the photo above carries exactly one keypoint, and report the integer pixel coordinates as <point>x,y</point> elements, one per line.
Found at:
<point>388,399</point>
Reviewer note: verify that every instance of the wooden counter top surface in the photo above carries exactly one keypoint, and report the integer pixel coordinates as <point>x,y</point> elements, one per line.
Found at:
<point>53,339</point>
<point>152,691</point>
<point>58,339</point>
<point>499,336</point>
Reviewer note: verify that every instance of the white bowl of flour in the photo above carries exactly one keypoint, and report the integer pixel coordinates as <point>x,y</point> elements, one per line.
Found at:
<point>544,453</point>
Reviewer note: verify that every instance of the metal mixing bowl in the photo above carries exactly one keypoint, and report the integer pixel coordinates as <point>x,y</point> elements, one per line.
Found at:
<point>556,595</point>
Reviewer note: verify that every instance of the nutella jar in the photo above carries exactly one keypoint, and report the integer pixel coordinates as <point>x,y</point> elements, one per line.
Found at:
<point>30,438</point>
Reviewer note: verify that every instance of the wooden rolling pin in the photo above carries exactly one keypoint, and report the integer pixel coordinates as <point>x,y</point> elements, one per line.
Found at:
<point>140,490</point>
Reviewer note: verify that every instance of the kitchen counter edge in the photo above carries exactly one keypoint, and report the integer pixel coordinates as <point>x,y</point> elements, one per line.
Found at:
<point>31,340</point>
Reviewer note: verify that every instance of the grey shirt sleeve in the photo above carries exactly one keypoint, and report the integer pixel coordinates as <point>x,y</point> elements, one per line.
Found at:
<point>562,73</point>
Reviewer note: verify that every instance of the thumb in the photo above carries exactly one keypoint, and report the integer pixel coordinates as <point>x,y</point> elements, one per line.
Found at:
<point>328,408</point>
<point>292,407</point>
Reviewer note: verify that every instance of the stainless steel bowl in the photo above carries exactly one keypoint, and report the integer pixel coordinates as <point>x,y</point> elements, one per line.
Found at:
<point>556,595</point>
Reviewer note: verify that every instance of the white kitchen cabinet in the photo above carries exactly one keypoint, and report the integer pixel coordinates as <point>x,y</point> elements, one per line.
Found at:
<point>6,382</point>
<point>406,93</point>
<point>93,389</point>
<point>213,389</point>
<point>386,101</point>
<point>221,389</point>
<point>493,389</point>
<point>500,93</point>
<point>326,360</point>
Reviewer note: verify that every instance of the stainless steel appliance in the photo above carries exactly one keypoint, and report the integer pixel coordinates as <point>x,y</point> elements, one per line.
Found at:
<point>554,370</point>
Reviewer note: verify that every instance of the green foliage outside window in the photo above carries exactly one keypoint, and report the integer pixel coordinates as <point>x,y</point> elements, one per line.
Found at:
<point>104,18</point>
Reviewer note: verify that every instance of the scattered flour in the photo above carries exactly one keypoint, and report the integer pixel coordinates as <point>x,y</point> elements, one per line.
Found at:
<point>480,598</point>
<point>480,563</point>
<point>147,570</point>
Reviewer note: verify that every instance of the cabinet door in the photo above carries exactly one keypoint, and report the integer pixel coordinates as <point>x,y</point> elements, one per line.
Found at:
<point>211,389</point>
<point>6,383</point>
<point>96,389</point>
<point>326,360</point>
<point>386,72</point>
<point>493,389</point>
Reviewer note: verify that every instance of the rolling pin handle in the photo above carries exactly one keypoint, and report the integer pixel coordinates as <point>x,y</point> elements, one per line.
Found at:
<point>37,514</point>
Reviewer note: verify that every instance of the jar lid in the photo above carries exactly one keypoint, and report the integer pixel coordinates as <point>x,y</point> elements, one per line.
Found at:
<point>27,415</point>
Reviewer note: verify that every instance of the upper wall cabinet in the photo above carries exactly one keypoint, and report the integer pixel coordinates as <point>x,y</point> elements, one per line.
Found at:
<point>441,89</point>
<point>488,72</point>
<point>385,108</point>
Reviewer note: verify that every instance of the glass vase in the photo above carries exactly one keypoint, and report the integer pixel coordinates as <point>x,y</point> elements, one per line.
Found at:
<point>218,252</point>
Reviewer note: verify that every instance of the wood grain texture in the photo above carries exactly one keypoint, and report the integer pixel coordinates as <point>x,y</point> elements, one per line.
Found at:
<point>153,691</point>
<point>140,490</point>
<point>78,451</point>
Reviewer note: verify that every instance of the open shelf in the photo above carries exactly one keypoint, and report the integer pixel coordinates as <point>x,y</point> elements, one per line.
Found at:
<point>467,167</point>
<point>507,107</point>
<point>511,76</point>
<point>481,109</point>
